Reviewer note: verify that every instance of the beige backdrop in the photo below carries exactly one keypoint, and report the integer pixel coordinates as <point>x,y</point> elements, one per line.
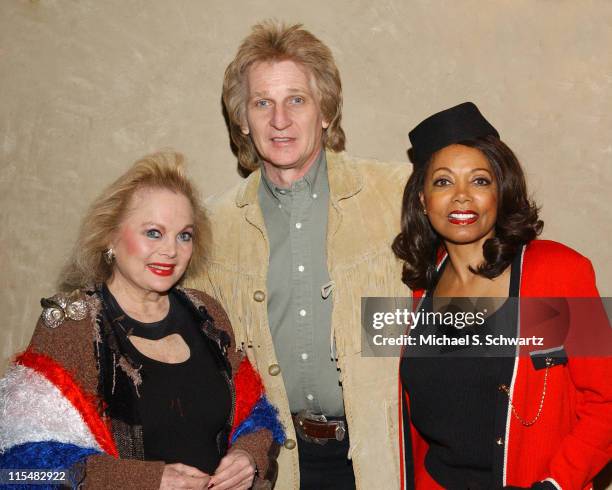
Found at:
<point>88,86</point>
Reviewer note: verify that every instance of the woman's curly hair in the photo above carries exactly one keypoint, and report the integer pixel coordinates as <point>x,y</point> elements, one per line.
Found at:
<point>517,219</point>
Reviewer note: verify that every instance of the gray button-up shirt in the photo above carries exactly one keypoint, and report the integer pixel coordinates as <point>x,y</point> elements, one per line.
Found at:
<point>299,316</point>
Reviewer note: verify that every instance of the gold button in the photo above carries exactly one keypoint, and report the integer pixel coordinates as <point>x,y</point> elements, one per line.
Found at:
<point>274,369</point>
<point>289,444</point>
<point>499,441</point>
<point>503,388</point>
<point>259,295</point>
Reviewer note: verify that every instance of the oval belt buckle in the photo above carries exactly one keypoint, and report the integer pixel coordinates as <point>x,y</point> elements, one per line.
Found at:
<point>303,415</point>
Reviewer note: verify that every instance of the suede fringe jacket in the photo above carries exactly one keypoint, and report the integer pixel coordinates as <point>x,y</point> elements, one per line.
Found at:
<point>364,218</point>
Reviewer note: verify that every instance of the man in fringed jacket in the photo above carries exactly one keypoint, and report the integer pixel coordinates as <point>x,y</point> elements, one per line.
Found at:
<point>293,249</point>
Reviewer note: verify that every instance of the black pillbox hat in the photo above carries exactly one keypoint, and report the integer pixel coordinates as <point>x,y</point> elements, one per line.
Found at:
<point>459,123</point>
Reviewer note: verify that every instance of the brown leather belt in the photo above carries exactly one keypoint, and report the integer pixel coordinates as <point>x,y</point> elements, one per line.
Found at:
<point>316,428</point>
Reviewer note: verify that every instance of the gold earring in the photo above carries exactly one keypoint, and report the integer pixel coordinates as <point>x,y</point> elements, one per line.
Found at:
<point>109,255</point>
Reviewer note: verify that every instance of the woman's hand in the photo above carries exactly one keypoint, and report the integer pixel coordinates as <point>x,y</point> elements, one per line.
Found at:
<point>179,475</point>
<point>235,471</point>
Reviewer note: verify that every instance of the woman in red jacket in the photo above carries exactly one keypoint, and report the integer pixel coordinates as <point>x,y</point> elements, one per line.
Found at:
<point>475,415</point>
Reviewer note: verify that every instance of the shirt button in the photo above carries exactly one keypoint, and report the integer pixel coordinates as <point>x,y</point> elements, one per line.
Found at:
<point>259,295</point>
<point>274,369</point>
<point>304,356</point>
<point>302,312</point>
<point>499,441</point>
<point>289,444</point>
<point>314,196</point>
<point>298,225</point>
<point>301,268</point>
<point>310,397</point>
<point>280,206</point>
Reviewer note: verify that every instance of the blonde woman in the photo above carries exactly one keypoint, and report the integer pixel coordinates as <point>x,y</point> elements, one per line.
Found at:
<point>131,380</point>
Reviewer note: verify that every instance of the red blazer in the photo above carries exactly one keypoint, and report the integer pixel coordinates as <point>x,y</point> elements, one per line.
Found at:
<point>572,440</point>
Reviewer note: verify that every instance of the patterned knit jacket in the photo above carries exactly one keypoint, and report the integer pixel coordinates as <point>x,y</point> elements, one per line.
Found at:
<point>57,408</point>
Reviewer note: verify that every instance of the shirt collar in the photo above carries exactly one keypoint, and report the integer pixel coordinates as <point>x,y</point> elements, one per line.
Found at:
<point>311,179</point>
<point>343,179</point>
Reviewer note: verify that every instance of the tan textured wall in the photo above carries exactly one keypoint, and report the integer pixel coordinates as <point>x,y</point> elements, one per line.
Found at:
<point>88,86</point>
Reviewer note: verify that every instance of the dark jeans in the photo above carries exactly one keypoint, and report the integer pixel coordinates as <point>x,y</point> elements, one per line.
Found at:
<point>325,466</point>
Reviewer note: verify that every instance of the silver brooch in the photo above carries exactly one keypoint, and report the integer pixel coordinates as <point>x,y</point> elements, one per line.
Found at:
<point>61,306</point>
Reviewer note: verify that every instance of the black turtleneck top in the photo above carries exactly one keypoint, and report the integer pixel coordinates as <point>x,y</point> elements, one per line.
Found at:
<point>183,407</point>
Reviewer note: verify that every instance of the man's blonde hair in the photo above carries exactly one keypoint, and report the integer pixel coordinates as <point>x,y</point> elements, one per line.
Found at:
<point>274,41</point>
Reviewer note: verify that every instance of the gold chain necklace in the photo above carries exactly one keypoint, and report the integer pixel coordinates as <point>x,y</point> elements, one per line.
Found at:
<point>506,390</point>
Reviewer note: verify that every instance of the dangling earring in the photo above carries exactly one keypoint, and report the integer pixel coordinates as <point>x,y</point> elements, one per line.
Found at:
<point>424,211</point>
<point>109,255</point>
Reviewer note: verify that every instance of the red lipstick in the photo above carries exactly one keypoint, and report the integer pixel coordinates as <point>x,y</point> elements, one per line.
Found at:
<point>161,269</point>
<point>463,217</point>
